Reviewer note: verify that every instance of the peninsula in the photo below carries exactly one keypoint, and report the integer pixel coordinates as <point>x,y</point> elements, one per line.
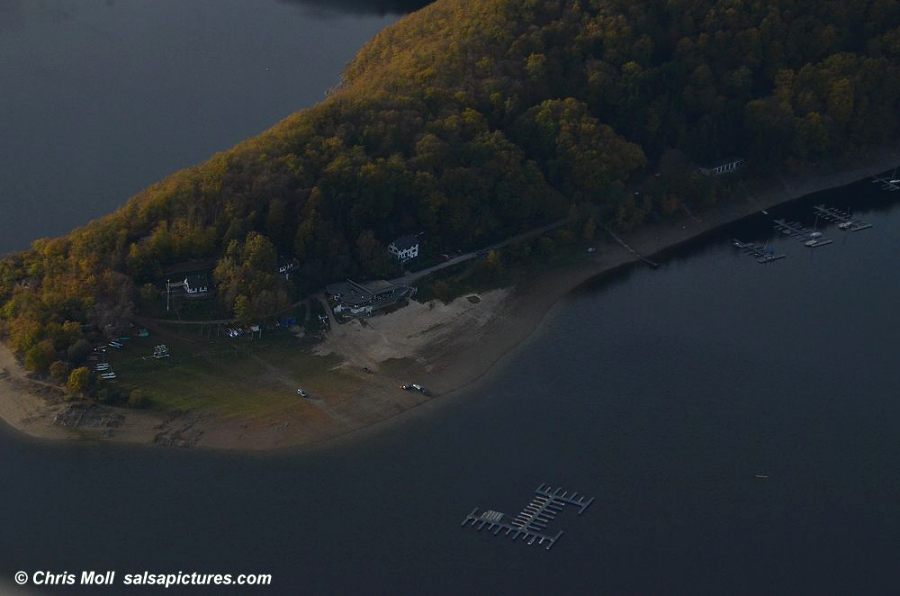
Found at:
<point>196,313</point>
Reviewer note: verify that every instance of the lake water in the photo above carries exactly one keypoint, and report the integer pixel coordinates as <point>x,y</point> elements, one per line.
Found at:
<point>100,98</point>
<point>663,393</point>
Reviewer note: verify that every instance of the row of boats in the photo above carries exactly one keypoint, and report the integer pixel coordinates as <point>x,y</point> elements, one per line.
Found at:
<point>104,371</point>
<point>810,238</point>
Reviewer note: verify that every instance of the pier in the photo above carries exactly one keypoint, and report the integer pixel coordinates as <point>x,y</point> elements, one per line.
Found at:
<point>797,230</point>
<point>888,184</point>
<point>761,253</point>
<point>531,523</point>
<point>843,219</point>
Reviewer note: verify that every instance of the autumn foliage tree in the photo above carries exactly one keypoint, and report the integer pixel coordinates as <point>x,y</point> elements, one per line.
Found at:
<point>473,121</point>
<point>79,381</point>
<point>248,280</point>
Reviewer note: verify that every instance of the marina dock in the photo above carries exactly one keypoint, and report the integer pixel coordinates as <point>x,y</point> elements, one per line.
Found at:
<point>843,219</point>
<point>531,523</point>
<point>797,230</point>
<point>761,253</point>
<point>888,184</point>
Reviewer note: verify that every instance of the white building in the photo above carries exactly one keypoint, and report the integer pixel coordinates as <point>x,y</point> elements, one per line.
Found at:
<point>723,166</point>
<point>405,248</point>
<point>195,285</point>
<point>286,266</point>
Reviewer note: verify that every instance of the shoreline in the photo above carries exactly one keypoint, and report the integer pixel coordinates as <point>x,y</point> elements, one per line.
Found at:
<point>455,348</point>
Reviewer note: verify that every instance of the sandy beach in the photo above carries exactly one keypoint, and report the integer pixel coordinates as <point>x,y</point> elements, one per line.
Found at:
<point>448,347</point>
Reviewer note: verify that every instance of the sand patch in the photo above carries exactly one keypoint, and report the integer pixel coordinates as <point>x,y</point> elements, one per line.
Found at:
<point>406,333</point>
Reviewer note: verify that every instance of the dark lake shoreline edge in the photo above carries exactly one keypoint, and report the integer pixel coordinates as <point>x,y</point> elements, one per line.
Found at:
<point>540,314</point>
<point>850,177</point>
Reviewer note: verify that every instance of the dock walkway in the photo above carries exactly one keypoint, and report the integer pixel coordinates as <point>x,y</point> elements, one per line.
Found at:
<point>797,230</point>
<point>843,219</point>
<point>531,523</point>
<point>888,184</point>
<point>761,253</point>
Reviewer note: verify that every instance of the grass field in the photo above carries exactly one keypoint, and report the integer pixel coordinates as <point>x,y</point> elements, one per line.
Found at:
<point>239,377</point>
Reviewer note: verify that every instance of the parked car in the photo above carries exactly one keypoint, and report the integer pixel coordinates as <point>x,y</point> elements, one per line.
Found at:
<point>415,387</point>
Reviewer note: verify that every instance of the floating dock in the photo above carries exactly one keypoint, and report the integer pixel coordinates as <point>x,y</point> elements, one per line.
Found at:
<point>797,230</point>
<point>531,523</point>
<point>794,229</point>
<point>761,253</point>
<point>843,219</point>
<point>888,184</point>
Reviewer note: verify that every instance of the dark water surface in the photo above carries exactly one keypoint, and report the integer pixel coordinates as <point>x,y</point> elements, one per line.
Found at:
<point>662,393</point>
<point>100,98</point>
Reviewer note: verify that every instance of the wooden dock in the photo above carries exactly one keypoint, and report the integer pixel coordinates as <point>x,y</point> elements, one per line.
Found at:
<point>888,184</point>
<point>761,253</point>
<point>798,231</point>
<point>794,229</point>
<point>531,523</point>
<point>844,219</point>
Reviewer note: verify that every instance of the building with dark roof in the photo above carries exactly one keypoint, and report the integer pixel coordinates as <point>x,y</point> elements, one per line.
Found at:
<point>356,299</point>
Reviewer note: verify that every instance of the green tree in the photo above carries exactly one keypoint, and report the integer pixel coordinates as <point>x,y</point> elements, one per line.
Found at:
<point>79,351</point>
<point>59,370</point>
<point>39,357</point>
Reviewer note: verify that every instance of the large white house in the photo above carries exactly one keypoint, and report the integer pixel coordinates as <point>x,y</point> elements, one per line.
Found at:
<point>405,248</point>
<point>196,285</point>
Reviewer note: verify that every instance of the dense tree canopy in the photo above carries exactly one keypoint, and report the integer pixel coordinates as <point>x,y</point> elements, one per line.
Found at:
<point>470,121</point>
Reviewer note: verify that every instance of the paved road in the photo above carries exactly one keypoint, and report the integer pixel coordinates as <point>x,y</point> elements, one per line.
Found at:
<point>405,280</point>
<point>411,278</point>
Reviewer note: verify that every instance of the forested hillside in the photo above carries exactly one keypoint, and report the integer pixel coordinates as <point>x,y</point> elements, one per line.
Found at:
<point>470,121</point>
